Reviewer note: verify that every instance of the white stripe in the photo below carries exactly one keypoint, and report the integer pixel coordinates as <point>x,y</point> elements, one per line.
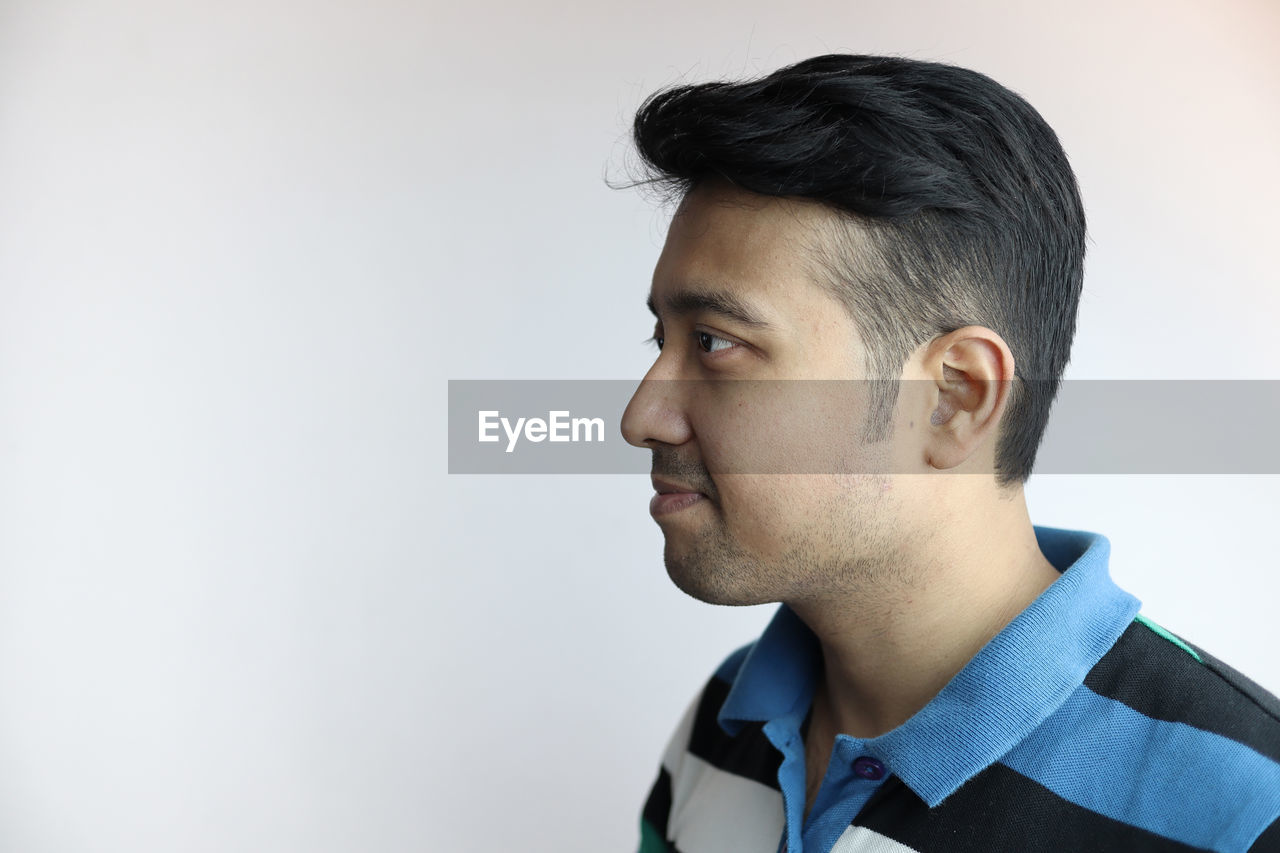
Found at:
<point>717,812</point>
<point>678,744</point>
<point>859,839</point>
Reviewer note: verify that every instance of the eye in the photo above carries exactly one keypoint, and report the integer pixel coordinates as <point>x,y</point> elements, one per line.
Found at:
<point>713,343</point>
<point>657,338</point>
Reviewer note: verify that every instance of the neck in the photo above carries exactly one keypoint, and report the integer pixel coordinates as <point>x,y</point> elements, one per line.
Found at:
<point>890,645</point>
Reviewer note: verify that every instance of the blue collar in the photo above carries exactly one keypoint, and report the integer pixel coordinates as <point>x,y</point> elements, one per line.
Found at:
<point>1016,681</point>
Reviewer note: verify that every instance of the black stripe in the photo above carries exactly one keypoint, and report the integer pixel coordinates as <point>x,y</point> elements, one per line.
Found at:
<point>748,754</point>
<point>1265,701</point>
<point>657,809</point>
<point>1002,811</point>
<point>1156,678</point>
<point>1268,841</point>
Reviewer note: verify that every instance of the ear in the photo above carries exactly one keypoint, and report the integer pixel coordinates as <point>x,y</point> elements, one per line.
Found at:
<point>969,372</point>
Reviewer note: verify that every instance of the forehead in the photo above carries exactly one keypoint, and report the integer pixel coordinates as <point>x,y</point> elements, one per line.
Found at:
<point>755,247</point>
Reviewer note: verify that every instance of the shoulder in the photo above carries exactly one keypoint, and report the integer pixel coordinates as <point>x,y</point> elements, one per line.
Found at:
<point>698,730</point>
<point>1163,740</point>
<point>1164,677</point>
<point>1207,734</point>
<point>701,751</point>
<point>714,785</point>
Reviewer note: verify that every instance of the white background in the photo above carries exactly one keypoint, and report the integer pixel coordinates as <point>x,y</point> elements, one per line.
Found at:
<point>243,245</point>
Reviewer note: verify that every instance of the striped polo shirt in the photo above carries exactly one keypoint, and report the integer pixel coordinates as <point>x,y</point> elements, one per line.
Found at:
<point>1082,726</point>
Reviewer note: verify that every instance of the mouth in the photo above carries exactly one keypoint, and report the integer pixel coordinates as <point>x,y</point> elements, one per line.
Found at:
<point>672,497</point>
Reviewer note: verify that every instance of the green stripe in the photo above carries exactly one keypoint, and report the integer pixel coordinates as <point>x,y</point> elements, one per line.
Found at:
<point>1170,637</point>
<point>651,841</point>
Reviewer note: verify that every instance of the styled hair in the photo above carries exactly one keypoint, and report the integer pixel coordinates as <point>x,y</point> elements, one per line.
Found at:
<point>955,206</point>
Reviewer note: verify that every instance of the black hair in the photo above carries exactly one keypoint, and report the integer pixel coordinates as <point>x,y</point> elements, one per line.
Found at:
<point>956,206</point>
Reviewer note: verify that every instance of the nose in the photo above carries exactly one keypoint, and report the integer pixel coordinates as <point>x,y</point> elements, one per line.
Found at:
<point>657,412</point>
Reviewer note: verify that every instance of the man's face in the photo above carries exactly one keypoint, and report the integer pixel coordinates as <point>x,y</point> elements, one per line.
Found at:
<point>735,300</point>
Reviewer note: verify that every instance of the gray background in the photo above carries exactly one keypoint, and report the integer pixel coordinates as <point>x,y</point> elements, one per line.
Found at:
<point>244,245</point>
<point>1099,426</point>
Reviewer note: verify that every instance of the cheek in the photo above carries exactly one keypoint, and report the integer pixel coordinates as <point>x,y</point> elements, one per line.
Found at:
<point>753,504</point>
<point>766,510</point>
<point>780,428</point>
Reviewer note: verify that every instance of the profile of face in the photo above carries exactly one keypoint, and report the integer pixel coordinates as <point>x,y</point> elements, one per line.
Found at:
<point>739,311</point>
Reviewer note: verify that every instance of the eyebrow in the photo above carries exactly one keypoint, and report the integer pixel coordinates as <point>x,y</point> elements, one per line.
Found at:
<point>689,301</point>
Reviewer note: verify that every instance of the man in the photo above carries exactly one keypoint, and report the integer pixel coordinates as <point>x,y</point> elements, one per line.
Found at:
<point>940,674</point>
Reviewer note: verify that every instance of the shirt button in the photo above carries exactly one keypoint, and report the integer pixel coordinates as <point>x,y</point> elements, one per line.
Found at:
<point>868,768</point>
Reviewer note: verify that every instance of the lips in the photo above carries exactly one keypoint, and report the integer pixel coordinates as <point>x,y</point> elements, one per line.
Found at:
<point>671,502</point>
<point>672,497</point>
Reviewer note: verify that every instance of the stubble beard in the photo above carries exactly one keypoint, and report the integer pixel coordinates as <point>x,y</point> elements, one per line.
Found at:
<point>843,554</point>
<point>714,568</point>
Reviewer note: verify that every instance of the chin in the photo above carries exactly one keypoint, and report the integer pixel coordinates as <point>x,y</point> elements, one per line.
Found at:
<point>711,582</point>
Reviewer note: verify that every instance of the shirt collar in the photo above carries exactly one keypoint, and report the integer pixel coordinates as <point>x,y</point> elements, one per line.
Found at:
<point>1014,682</point>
